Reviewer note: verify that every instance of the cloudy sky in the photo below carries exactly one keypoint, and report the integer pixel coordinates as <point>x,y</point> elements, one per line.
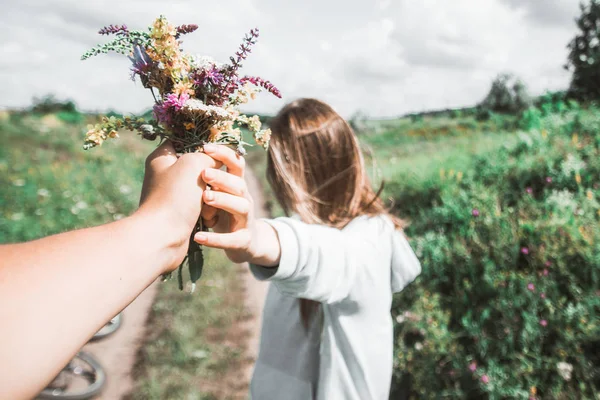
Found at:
<point>385,57</point>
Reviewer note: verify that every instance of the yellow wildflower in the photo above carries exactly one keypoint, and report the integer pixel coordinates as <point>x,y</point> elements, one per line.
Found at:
<point>459,176</point>
<point>590,195</point>
<point>578,178</point>
<point>189,126</point>
<point>575,139</point>
<point>450,173</point>
<point>113,134</point>
<point>544,134</point>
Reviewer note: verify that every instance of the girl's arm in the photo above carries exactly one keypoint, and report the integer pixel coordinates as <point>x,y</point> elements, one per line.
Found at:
<point>310,261</point>
<point>56,292</point>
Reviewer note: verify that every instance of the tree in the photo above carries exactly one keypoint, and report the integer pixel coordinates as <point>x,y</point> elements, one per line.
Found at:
<point>508,94</point>
<point>584,55</point>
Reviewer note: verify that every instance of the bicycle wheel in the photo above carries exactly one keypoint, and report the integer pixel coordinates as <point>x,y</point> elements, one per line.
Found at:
<point>83,378</point>
<point>109,328</point>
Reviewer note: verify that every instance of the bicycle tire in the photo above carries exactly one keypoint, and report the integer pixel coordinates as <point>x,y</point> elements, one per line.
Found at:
<point>108,329</point>
<point>88,393</point>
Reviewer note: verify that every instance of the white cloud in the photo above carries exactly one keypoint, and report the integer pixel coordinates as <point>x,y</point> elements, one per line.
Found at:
<point>385,57</point>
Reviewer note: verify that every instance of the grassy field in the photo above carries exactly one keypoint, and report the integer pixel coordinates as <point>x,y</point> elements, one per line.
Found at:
<point>50,185</point>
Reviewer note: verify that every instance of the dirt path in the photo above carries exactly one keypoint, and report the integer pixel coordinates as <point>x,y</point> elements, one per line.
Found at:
<point>256,291</point>
<point>117,353</point>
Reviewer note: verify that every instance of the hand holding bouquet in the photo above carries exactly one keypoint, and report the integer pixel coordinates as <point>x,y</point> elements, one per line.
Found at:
<point>196,99</point>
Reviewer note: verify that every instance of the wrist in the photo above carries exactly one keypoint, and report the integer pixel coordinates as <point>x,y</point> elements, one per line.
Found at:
<point>265,252</point>
<point>163,235</point>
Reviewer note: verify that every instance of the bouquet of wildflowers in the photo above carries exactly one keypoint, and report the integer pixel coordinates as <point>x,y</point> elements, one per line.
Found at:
<point>196,98</point>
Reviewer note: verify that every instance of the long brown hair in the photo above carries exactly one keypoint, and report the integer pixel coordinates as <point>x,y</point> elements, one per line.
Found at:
<point>317,171</point>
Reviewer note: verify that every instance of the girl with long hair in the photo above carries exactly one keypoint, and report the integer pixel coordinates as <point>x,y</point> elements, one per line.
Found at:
<point>334,262</point>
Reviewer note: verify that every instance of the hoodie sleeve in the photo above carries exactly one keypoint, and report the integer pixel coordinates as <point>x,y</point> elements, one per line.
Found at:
<point>317,262</point>
<point>322,263</point>
<point>405,265</point>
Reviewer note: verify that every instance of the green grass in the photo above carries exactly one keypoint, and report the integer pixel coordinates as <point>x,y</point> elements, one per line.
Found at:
<point>50,185</point>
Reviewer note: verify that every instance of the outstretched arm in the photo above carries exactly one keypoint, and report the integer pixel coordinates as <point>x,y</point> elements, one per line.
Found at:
<point>56,292</point>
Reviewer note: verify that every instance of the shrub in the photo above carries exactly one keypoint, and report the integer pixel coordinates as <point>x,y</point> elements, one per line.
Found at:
<point>507,305</point>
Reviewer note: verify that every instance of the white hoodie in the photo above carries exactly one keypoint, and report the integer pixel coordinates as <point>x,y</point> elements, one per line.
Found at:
<point>353,273</point>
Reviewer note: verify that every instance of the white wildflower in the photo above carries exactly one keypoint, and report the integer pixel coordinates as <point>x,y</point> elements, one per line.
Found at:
<point>19,182</point>
<point>82,205</point>
<point>39,212</point>
<point>418,346</point>
<point>564,370</point>
<point>125,189</point>
<point>117,217</point>
<point>572,164</point>
<point>196,105</point>
<point>43,192</point>
<point>17,216</point>
<point>400,318</point>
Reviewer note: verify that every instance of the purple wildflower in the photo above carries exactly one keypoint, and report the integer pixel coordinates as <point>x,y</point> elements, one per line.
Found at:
<point>544,323</point>
<point>172,103</point>
<point>473,366</point>
<point>176,102</point>
<point>531,287</point>
<point>524,250</point>
<point>548,263</point>
<point>212,76</point>
<point>475,212</point>
<point>258,81</point>
<point>548,179</point>
<point>485,379</point>
<point>543,295</point>
<point>141,62</point>
<point>114,30</point>
<point>184,29</point>
<point>545,272</point>
<point>529,190</point>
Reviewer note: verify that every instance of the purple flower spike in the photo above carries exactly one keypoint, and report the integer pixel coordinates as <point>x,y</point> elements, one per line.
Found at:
<point>544,323</point>
<point>524,250</point>
<point>184,29</point>
<point>485,379</point>
<point>475,212</point>
<point>257,81</point>
<point>114,30</point>
<point>473,367</point>
<point>531,287</point>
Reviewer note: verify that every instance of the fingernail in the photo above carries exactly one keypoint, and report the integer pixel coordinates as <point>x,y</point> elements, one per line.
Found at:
<point>210,148</point>
<point>199,237</point>
<point>209,195</point>
<point>209,173</point>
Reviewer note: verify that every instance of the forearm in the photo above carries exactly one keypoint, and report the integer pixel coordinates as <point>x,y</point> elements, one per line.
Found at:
<point>82,279</point>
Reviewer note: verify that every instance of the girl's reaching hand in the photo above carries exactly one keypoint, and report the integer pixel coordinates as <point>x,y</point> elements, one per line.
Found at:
<point>229,211</point>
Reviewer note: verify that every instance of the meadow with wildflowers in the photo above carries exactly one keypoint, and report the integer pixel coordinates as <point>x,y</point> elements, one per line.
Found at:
<point>508,302</point>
